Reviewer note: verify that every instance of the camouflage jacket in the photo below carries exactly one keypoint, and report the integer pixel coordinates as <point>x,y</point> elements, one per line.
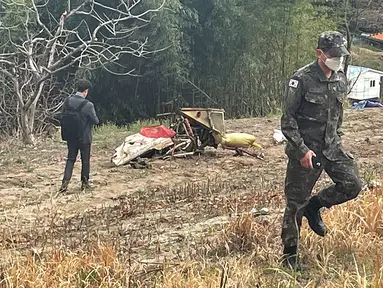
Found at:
<point>313,112</point>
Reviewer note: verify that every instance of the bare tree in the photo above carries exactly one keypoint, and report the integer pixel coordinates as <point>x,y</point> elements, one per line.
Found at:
<point>351,14</point>
<point>102,34</point>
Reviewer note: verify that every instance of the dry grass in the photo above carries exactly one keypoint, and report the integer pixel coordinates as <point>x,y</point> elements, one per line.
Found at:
<point>161,235</point>
<point>367,57</point>
<point>244,253</point>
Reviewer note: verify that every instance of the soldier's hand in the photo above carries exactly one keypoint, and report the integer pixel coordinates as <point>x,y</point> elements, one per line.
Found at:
<point>306,160</point>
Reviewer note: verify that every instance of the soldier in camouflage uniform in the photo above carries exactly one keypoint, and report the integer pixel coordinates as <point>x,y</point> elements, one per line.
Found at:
<point>311,122</point>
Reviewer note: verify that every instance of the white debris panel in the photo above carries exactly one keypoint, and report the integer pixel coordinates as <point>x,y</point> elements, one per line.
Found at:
<point>136,145</point>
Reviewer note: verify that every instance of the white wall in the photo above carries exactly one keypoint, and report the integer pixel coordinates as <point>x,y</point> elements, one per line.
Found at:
<point>365,87</point>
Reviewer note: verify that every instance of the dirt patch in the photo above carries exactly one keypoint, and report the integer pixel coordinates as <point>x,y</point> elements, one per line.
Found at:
<point>167,211</point>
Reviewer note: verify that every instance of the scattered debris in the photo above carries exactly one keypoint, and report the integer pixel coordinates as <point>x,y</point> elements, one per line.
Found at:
<point>371,185</point>
<point>137,145</point>
<point>278,137</point>
<point>196,126</point>
<point>238,142</point>
<point>190,132</point>
<point>206,127</point>
<point>157,132</point>
<point>259,212</point>
<point>374,184</point>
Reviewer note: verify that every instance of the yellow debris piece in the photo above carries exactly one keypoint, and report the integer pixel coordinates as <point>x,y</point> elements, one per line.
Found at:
<point>237,140</point>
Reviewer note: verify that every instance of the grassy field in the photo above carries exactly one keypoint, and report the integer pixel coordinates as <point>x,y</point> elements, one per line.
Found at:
<point>184,222</point>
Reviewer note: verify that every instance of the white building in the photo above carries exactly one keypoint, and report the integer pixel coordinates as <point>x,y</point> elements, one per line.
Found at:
<point>364,83</point>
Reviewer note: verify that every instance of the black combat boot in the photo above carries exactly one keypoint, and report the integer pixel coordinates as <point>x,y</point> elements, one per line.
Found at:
<point>290,258</point>
<point>312,214</point>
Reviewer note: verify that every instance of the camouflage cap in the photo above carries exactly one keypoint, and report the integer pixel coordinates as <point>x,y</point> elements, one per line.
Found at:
<point>334,43</point>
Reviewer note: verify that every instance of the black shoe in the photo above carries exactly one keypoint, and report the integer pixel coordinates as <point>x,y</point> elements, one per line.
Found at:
<point>86,187</point>
<point>290,258</point>
<point>64,187</point>
<point>312,213</point>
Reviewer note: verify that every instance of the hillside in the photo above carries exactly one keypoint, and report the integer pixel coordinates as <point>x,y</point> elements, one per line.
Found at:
<point>182,223</point>
<point>370,19</point>
<point>364,56</point>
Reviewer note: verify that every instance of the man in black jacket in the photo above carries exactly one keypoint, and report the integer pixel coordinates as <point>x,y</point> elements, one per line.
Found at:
<point>89,118</point>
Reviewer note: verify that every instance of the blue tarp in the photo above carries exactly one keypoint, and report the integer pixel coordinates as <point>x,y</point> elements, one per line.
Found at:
<point>366,104</point>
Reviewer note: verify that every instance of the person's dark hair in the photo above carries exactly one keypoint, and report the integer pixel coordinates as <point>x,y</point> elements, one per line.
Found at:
<point>83,85</point>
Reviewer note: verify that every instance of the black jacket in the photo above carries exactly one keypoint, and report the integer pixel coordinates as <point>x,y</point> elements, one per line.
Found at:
<point>87,112</point>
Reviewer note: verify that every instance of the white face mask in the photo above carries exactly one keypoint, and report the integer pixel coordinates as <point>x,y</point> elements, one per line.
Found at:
<point>334,63</point>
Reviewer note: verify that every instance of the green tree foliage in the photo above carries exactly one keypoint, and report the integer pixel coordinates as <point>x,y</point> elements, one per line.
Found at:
<point>161,77</point>
<point>253,46</point>
<point>238,52</point>
<point>231,54</point>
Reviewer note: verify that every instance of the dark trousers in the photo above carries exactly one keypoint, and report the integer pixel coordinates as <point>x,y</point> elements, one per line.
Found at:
<point>73,149</point>
<point>300,182</point>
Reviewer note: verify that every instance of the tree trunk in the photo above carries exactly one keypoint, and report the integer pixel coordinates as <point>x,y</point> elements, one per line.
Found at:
<point>27,115</point>
<point>27,127</point>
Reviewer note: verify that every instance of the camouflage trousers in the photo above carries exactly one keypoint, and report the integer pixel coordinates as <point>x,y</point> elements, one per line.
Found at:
<point>300,181</point>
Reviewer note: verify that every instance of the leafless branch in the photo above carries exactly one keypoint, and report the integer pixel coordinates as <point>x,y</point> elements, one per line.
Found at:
<point>353,84</point>
<point>41,50</point>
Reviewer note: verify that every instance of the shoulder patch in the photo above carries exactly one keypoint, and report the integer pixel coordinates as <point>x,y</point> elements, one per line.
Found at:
<point>293,83</point>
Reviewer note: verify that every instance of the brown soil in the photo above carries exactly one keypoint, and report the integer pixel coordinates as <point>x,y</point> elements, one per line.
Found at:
<point>169,210</point>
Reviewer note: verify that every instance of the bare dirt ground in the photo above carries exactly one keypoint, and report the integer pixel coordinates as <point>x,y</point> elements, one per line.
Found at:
<point>169,211</point>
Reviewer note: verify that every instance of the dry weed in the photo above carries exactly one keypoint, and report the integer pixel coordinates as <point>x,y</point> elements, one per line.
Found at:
<point>244,253</point>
